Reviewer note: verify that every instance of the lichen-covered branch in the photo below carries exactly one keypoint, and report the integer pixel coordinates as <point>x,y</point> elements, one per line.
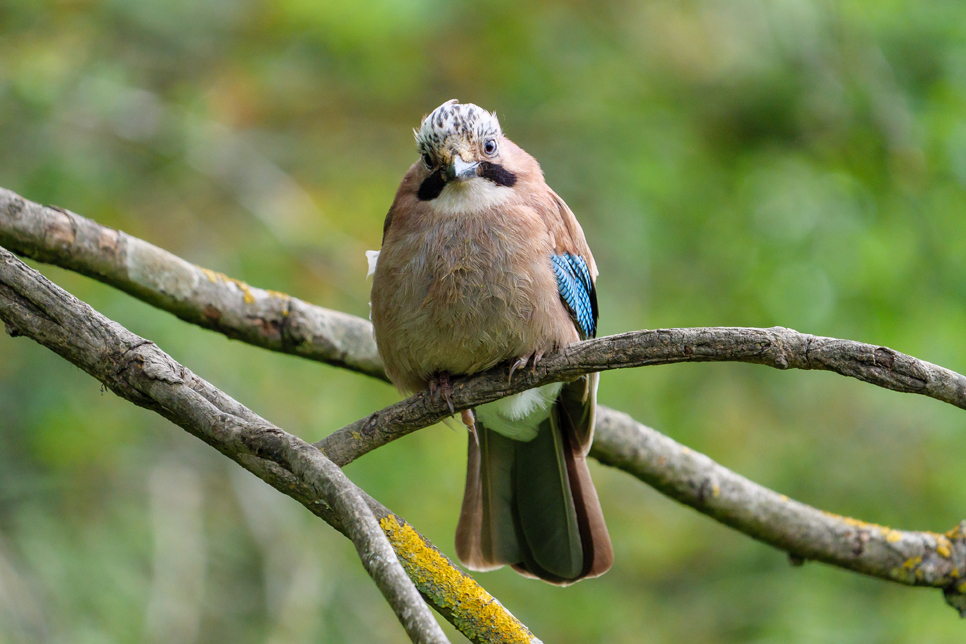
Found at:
<point>137,370</point>
<point>908,557</point>
<point>621,442</point>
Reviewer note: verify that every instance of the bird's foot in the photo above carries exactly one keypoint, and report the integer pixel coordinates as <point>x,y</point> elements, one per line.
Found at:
<point>440,382</point>
<point>519,363</point>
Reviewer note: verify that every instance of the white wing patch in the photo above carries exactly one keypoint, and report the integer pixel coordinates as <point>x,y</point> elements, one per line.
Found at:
<point>372,256</point>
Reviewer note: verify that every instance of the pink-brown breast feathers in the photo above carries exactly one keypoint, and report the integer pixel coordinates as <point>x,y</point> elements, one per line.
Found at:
<point>463,293</point>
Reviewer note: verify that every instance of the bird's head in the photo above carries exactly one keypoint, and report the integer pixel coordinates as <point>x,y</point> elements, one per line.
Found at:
<point>459,143</point>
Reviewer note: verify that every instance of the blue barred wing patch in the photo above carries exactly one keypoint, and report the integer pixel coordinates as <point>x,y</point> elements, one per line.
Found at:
<point>577,291</point>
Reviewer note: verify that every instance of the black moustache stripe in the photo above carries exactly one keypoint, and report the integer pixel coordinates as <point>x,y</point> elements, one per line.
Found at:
<point>497,174</point>
<point>433,185</point>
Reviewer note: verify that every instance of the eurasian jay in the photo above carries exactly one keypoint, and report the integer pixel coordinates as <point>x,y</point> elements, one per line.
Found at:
<point>482,263</point>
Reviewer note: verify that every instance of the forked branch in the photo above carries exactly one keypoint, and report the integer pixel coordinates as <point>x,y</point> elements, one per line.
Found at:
<point>261,318</point>
<point>137,370</point>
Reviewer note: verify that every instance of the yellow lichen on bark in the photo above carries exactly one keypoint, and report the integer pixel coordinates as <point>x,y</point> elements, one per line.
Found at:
<point>279,295</point>
<point>956,533</point>
<point>889,534</point>
<point>912,563</point>
<point>475,612</point>
<point>214,277</point>
<point>943,547</point>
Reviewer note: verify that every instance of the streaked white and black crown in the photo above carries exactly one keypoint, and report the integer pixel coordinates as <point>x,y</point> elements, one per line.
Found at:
<point>469,122</point>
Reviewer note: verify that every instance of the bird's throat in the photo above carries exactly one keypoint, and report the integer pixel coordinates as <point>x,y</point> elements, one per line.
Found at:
<point>470,196</point>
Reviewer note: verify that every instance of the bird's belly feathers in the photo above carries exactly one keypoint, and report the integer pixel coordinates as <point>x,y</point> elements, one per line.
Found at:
<point>462,296</point>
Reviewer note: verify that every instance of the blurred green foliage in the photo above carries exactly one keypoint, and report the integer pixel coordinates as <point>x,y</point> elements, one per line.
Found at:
<point>733,162</point>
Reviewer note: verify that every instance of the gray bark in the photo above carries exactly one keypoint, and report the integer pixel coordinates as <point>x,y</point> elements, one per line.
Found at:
<point>137,370</point>
<point>915,558</point>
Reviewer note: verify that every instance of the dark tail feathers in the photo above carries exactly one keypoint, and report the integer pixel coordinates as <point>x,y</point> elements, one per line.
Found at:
<point>533,506</point>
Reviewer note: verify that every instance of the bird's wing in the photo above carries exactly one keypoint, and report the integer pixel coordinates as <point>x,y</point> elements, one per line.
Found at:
<point>576,272</point>
<point>573,264</point>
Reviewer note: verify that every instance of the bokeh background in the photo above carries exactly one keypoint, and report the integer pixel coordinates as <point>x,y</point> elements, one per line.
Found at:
<point>733,162</point>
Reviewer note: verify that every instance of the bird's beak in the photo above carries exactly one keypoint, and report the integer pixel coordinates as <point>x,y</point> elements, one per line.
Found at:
<point>460,170</point>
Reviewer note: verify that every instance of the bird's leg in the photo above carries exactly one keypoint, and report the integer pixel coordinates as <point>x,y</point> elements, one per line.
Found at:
<point>440,382</point>
<point>469,419</point>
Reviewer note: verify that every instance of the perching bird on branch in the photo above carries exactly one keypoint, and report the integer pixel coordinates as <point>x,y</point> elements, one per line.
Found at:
<point>482,263</point>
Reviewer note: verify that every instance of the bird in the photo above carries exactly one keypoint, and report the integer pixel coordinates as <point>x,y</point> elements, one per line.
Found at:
<point>481,264</point>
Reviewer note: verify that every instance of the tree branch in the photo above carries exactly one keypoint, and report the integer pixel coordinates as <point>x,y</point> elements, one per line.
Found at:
<point>267,319</point>
<point>138,371</point>
<point>776,347</point>
<point>912,558</point>
<point>806,533</point>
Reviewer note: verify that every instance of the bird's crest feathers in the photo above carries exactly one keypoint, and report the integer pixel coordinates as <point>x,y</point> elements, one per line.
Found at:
<point>469,122</point>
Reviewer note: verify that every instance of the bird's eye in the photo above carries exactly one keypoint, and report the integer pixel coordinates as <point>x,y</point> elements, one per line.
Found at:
<point>489,148</point>
<point>428,160</point>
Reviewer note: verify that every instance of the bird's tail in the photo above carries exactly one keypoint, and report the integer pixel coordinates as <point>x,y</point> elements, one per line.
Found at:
<point>532,504</point>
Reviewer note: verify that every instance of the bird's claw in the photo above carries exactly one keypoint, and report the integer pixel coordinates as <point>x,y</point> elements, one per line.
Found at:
<point>440,382</point>
<point>537,357</point>
<point>519,363</point>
